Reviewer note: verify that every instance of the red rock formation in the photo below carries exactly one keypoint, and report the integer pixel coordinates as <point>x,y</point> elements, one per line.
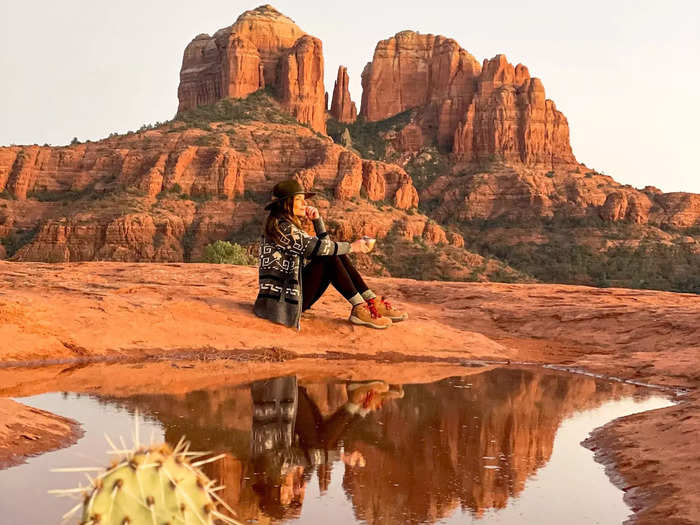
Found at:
<point>242,69</point>
<point>479,113</point>
<point>381,180</point>
<point>134,237</point>
<point>433,234</point>
<point>300,85</point>
<point>518,193</point>
<point>263,48</point>
<point>679,209</point>
<point>349,176</point>
<point>342,107</point>
<point>510,119</point>
<point>135,192</point>
<point>410,138</point>
<point>120,179</point>
<point>411,70</point>
<point>626,206</point>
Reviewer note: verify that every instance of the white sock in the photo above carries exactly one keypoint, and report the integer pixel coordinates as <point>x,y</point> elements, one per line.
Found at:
<point>368,294</point>
<point>356,299</point>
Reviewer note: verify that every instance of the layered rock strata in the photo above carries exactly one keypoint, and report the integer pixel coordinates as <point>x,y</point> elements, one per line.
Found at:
<point>477,112</point>
<point>519,193</point>
<point>343,108</point>
<point>262,49</point>
<point>164,194</point>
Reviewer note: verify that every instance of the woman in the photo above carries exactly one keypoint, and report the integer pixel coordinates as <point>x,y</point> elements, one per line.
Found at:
<point>296,268</point>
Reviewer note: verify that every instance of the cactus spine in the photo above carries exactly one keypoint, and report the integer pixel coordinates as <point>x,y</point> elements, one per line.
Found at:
<point>153,485</point>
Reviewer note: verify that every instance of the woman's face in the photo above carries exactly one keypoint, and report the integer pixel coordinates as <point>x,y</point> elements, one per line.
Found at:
<point>299,205</point>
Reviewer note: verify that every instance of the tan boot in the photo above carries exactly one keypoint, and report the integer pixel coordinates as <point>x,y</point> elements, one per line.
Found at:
<point>366,315</point>
<point>385,309</point>
<point>358,392</point>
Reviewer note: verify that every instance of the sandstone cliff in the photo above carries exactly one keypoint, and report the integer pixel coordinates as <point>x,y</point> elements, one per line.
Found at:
<point>478,112</point>
<point>441,137</point>
<point>262,49</point>
<point>162,194</point>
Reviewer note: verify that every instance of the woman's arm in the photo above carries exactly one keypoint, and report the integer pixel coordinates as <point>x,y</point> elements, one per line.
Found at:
<point>360,245</point>
<point>319,227</point>
<point>301,243</point>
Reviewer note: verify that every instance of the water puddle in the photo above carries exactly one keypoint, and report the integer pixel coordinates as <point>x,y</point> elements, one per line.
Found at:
<point>497,447</point>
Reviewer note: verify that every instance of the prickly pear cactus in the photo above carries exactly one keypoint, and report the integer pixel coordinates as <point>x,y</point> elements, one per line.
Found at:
<point>150,486</point>
<point>153,486</point>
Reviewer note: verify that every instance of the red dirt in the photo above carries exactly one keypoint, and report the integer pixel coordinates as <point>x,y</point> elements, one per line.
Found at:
<point>114,311</point>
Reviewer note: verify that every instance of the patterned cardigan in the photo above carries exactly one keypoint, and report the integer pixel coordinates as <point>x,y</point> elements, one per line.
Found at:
<point>280,271</point>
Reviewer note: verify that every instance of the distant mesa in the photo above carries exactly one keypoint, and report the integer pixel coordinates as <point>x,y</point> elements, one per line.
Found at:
<point>263,49</point>
<point>475,111</point>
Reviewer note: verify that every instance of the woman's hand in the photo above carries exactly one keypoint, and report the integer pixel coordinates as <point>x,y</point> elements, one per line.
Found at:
<point>312,213</point>
<point>361,246</point>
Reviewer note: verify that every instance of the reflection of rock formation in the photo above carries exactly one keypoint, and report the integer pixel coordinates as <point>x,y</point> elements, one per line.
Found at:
<point>432,451</point>
<point>426,454</point>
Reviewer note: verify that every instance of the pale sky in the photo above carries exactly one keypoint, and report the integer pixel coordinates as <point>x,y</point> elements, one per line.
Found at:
<point>625,73</point>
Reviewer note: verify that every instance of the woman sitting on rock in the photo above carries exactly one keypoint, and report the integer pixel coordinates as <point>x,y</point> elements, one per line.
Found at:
<point>296,268</point>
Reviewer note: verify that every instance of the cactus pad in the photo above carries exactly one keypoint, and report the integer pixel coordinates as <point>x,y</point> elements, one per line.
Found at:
<point>153,485</point>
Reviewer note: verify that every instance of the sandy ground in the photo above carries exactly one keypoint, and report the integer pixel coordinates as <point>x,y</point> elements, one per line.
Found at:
<point>71,315</point>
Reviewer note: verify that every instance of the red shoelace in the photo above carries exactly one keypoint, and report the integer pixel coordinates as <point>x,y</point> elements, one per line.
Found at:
<point>386,303</point>
<point>372,308</point>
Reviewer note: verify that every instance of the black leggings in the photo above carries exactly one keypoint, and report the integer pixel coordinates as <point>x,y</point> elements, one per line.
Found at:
<point>324,270</point>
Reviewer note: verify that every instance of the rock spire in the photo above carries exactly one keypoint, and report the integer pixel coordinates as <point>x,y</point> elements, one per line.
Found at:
<point>342,107</point>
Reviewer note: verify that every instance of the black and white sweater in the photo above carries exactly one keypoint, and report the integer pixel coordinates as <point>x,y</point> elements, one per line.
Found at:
<point>280,287</point>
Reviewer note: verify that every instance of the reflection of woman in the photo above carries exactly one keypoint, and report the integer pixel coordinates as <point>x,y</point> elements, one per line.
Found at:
<point>286,289</point>
<point>279,466</point>
<point>291,437</point>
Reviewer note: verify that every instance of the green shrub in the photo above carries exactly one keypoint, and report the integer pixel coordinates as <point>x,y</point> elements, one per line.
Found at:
<point>18,238</point>
<point>259,106</point>
<point>425,168</point>
<point>224,252</point>
<point>44,195</point>
<point>566,258</point>
<point>366,136</point>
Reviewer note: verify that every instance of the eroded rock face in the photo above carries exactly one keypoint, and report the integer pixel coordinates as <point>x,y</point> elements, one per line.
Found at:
<point>342,107</point>
<point>509,118</point>
<point>679,209</point>
<point>300,87</point>
<point>412,70</point>
<point>129,238</point>
<point>478,112</point>
<point>162,195</point>
<point>262,49</point>
<point>518,193</point>
<point>626,206</point>
<point>382,180</point>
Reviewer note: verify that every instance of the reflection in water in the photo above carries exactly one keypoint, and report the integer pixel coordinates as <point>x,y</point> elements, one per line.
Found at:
<point>409,454</point>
